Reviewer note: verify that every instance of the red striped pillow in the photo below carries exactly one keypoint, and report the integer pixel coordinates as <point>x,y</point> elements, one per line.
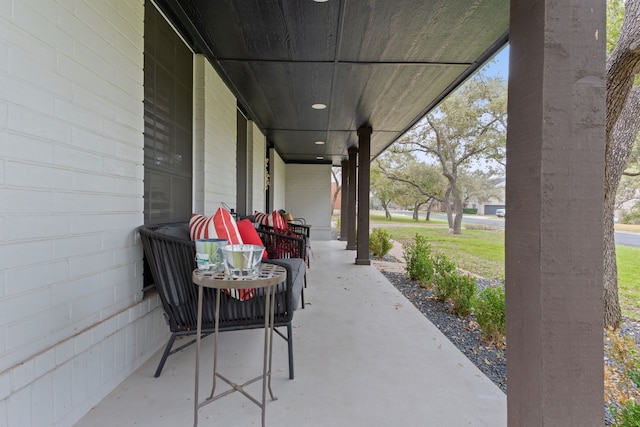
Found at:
<point>220,226</point>
<point>261,218</point>
<point>274,219</point>
<point>241,294</point>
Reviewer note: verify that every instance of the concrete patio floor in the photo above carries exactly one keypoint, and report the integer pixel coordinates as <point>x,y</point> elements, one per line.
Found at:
<point>364,356</point>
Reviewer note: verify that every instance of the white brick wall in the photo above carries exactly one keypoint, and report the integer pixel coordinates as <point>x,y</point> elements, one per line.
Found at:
<point>259,154</point>
<point>72,323</point>
<point>220,142</point>
<point>308,195</point>
<point>215,140</point>
<point>277,181</point>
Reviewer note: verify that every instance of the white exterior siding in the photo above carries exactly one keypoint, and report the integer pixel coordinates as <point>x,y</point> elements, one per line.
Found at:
<point>73,320</point>
<point>258,167</point>
<point>277,181</point>
<point>72,323</point>
<point>308,195</point>
<point>214,148</point>
<point>220,141</point>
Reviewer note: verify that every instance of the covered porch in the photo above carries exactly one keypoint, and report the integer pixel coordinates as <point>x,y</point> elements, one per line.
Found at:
<point>363,356</point>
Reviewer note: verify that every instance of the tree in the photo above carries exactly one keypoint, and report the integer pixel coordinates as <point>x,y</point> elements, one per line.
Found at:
<point>482,186</point>
<point>468,126</point>
<point>337,179</point>
<point>382,188</point>
<point>622,125</point>
<point>417,183</point>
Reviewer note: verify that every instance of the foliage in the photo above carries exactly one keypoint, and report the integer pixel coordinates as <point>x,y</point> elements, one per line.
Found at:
<point>382,188</point>
<point>489,307</point>
<point>628,190</point>
<point>632,216</point>
<point>414,183</point>
<point>615,16</point>
<point>480,186</point>
<point>480,252</point>
<point>464,292</point>
<point>628,415</point>
<point>622,378</point>
<point>469,125</point>
<point>417,256</point>
<point>380,242</point>
<point>443,286</point>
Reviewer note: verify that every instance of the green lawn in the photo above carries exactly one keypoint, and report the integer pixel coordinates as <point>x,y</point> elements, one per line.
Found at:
<point>482,252</point>
<point>628,258</point>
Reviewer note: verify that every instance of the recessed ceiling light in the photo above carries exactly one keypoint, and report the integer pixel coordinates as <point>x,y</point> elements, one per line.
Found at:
<point>319,143</point>
<point>320,1</point>
<point>318,106</point>
<point>319,158</point>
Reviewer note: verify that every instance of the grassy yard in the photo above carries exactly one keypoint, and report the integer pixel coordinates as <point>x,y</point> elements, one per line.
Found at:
<point>482,252</point>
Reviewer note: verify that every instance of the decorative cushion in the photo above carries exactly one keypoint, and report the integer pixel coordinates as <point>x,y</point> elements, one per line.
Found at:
<point>241,294</point>
<point>249,234</point>
<point>220,226</point>
<point>274,219</point>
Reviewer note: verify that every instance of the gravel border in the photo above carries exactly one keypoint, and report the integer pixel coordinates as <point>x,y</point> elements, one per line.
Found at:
<point>463,332</point>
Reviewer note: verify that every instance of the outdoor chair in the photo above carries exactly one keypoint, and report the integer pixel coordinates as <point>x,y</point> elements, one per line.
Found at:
<point>285,248</point>
<point>170,255</point>
<point>294,250</point>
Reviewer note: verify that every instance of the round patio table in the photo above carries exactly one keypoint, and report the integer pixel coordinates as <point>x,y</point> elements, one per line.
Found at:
<point>269,276</point>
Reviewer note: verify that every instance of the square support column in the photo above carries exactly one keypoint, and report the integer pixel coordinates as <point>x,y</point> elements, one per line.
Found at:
<point>554,226</point>
<point>364,182</point>
<point>344,200</point>
<point>351,203</point>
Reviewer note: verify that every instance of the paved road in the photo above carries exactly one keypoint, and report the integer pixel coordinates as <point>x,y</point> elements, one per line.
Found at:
<point>622,238</point>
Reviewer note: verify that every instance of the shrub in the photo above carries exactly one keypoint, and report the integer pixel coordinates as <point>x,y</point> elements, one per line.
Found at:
<point>472,211</point>
<point>489,307</point>
<point>442,265</point>
<point>380,242</point>
<point>443,285</point>
<point>628,415</point>
<point>464,291</point>
<point>417,256</point>
<point>622,378</point>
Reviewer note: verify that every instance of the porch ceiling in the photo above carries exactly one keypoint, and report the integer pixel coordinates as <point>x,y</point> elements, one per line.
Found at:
<point>378,63</point>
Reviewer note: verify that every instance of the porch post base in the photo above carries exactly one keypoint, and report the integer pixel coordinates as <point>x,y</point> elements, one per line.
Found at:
<point>363,261</point>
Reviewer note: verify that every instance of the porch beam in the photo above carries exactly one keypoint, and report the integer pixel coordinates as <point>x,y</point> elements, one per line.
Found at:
<point>351,211</point>
<point>554,227</point>
<point>344,200</point>
<point>364,182</point>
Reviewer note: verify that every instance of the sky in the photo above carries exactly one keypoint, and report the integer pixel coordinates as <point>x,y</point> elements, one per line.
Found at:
<point>499,65</point>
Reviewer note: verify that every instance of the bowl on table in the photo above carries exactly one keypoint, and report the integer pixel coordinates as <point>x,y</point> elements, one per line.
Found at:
<point>242,261</point>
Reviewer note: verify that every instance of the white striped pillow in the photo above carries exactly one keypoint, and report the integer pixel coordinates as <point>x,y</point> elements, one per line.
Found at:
<point>220,226</point>
<point>274,219</point>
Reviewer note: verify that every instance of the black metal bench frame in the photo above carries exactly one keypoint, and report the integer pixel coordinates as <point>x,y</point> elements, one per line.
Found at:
<point>171,261</point>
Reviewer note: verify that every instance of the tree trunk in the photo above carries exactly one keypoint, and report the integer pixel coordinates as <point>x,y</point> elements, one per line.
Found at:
<point>458,206</point>
<point>622,124</point>
<point>416,210</point>
<point>447,206</point>
<point>619,147</point>
<point>385,206</point>
<point>428,214</point>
